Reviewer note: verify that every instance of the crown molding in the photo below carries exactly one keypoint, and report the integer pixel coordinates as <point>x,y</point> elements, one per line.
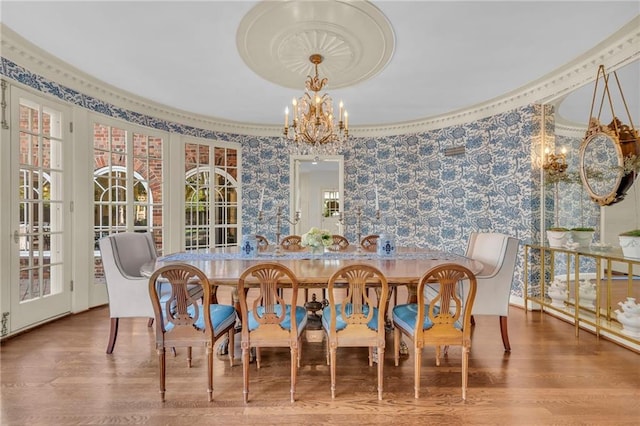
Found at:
<point>15,48</point>
<point>618,50</point>
<point>568,129</point>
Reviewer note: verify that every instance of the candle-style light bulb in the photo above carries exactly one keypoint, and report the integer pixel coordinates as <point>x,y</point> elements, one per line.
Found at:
<point>346,120</point>
<point>294,102</point>
<point>341,111</point>
<point>286,117</point>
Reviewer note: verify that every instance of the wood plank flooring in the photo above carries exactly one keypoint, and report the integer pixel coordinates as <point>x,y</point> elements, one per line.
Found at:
<point>59,374</point>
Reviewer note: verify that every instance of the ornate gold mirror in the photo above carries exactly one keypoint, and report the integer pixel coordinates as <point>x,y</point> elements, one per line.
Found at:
<point>602,171</point>
<point>609,153</point>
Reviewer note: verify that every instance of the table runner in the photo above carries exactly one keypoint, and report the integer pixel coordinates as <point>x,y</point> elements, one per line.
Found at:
<point>303,255</point>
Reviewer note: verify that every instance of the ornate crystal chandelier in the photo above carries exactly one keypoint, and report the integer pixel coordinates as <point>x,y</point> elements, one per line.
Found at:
<point>314,131</point>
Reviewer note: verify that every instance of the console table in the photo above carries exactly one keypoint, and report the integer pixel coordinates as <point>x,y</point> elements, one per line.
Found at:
<point>611,288</point>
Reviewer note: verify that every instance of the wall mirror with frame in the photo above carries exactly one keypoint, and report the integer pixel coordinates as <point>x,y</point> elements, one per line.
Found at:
<point>607,149</point>
<point>602,161</point>
<point>317,191</point>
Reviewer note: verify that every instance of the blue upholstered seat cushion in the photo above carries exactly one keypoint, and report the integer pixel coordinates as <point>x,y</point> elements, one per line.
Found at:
<point>301,317</point>
<point>222,316</point>
<point>405,317</point>
<point>340,322</point>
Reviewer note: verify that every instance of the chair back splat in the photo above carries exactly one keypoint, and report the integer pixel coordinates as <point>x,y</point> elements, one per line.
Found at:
<point>263,243</point>
<point>338,243</point>
<point>292,243</point>
<point>370,243</point>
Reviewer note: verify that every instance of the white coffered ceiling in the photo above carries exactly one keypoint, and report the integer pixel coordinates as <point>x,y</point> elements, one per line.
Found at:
<point>418,59</point>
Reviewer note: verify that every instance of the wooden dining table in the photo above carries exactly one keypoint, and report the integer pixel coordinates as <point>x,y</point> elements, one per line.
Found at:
<point>224,266</point>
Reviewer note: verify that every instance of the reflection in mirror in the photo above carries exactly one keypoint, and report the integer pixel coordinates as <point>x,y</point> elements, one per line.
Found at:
<point>600,165</point>
<point>317,191</point>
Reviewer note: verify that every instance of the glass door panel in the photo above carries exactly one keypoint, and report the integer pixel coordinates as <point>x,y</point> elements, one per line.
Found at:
<point>39,275</point>
<point>211,196</point>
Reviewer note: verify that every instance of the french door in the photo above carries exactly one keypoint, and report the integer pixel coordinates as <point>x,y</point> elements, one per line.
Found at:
<point>40,210</point>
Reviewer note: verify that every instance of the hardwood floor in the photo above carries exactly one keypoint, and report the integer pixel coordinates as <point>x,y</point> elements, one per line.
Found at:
<point>59,374</point>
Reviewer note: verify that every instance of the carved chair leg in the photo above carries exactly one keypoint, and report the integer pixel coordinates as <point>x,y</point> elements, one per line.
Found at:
<point>113,333</point>
<point>245,372</point>
<point>231,345</point>
<point>161,371</point>
<point>150,322</point>
<point>332,368</point>
<point>417,363</point>
<point>210,372</point>
<point>294,371</point>
<point>505,334</point>
<point>396,345</point>
<point>380,371</point>
<point>465,371</point>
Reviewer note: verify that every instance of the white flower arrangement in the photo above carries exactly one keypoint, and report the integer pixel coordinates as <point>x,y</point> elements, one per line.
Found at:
<point>316,237</point>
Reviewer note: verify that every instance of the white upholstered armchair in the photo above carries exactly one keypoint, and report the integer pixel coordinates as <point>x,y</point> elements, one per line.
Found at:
<point>498,253</point>
<point>122,256</point>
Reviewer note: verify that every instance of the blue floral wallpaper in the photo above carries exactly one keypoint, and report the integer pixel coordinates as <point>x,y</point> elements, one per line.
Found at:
<point>427,198</point>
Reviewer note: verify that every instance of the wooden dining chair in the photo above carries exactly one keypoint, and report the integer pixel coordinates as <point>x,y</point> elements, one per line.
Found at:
<point>357,320</point>
<point>369,243</point>
<point>338,243</point>
<point>263,243</point>
<point>268,321</point>
<point>445,321</point>
<point>292,243</point>
<point>183,320</point>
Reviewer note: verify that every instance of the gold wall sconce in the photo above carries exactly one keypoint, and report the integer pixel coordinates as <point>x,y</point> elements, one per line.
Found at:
<point>555,163</point>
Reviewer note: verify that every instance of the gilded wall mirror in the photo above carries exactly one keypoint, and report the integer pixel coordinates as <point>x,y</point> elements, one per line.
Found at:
<point>609,153</point>
<point>602,161</point>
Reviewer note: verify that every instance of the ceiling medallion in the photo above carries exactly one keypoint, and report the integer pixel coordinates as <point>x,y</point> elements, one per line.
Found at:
<point>276,38</point>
